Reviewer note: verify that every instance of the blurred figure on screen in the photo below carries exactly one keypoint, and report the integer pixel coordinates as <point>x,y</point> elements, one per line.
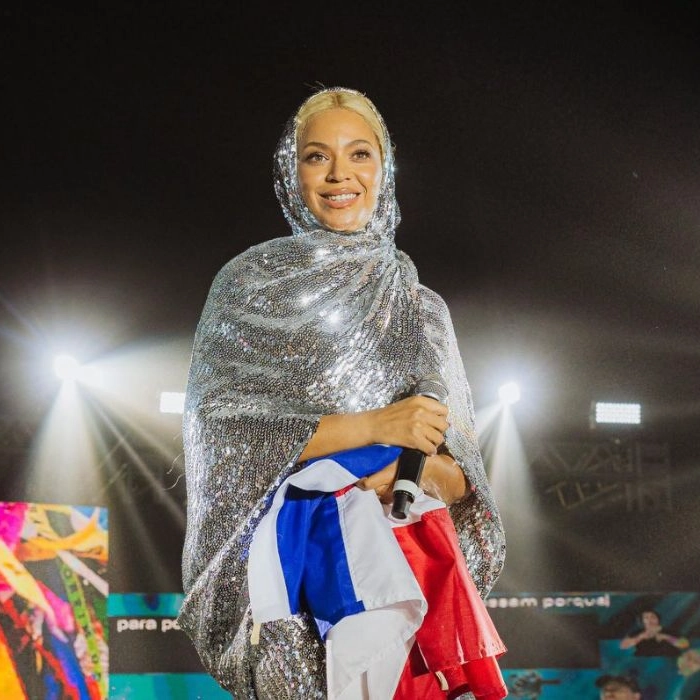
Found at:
<point>618,688</point>
<point>689,668</point>
<point>652,640</point>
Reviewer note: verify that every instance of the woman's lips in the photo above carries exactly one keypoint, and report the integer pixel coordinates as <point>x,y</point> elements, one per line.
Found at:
<point>340,200</point>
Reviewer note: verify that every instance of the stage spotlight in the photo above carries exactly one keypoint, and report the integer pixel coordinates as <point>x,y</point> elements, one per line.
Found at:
<point>66,367</point>
<point>509,393</point>
<point>172,402</point>
<point>620,413</point>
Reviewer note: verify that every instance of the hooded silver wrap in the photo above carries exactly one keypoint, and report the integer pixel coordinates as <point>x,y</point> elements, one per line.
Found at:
<point>295,328</point>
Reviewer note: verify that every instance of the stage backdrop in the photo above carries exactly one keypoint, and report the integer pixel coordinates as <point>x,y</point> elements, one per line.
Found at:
<point>558,645</point>
<point>57,617</point>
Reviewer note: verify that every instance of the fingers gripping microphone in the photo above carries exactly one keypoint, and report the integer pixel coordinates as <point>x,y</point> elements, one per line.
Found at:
<point>411,461</point>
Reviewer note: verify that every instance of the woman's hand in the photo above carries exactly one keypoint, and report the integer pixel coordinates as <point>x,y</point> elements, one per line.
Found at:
<point>418,422</point>
<point>382,482</point>
<point>442,478</point>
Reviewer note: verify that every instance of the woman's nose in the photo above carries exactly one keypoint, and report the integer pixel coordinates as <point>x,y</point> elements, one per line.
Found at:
<point>338,171</point>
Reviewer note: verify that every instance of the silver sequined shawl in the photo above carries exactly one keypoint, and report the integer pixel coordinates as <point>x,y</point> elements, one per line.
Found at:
<point>294,328</point>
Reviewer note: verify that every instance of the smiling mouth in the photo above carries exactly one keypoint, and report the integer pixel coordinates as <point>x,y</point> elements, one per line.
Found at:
<point>345,197</point>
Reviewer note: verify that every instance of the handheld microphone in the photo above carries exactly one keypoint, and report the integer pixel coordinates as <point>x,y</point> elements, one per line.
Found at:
<point>411,461</point>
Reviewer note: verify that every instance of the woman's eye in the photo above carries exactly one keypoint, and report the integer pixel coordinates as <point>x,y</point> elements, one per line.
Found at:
<point>315,157</point>
<point>362,155</point>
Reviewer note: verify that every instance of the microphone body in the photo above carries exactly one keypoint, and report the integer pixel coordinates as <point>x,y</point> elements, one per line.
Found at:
<point>411,461</point>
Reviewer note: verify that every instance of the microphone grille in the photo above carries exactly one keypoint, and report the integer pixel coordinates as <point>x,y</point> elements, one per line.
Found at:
<point>433,386</point>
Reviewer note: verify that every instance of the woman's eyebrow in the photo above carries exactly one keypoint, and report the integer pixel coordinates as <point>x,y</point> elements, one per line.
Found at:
<point>319,144</point>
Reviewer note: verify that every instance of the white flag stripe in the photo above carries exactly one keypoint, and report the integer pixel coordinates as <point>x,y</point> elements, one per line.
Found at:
<point>383,580</point>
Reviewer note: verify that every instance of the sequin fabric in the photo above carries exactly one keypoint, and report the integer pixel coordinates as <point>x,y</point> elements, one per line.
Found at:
<point>294,328</point>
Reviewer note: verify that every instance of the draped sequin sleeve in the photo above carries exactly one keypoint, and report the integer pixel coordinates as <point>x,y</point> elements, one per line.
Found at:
<point>230,421</point>
<point>476,517</point>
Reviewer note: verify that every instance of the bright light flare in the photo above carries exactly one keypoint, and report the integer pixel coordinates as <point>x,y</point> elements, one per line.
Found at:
<point>620,413</point>
<point>65,451</point>
<point>172,402</point>
<point>66,367</point>
<point>509,472</point>
<point>509,393</point>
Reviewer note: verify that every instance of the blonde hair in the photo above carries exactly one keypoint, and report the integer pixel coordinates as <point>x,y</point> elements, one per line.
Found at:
<point>342,99</point>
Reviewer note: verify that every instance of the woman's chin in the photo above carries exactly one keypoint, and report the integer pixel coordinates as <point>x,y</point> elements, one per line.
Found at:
<point>344,225</point>
<point>345,231</point>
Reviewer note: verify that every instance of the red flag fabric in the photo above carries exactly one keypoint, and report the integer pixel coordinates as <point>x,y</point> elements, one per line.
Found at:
<point>457,645</point>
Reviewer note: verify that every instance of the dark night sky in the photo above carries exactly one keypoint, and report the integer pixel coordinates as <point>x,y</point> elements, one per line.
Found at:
<point>549,180</point>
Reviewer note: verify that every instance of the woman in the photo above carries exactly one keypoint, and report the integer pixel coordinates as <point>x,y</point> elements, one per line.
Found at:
<point>309,345</point>
<point>652,640</point>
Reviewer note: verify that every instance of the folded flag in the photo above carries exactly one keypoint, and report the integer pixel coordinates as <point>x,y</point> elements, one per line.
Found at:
<point>375,588</point>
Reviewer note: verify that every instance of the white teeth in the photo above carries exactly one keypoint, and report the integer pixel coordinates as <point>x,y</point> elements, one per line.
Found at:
<point>340,197</point>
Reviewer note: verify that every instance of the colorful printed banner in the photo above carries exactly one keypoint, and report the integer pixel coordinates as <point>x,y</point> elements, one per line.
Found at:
<point>53,602</point>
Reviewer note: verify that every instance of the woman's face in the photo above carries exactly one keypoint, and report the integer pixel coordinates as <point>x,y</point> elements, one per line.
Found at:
<point>650,620</point>
<point>340,169</point>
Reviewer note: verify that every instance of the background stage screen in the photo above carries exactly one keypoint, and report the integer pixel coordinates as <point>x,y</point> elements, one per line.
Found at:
<point>53,594</point>
<point>558,645</point>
